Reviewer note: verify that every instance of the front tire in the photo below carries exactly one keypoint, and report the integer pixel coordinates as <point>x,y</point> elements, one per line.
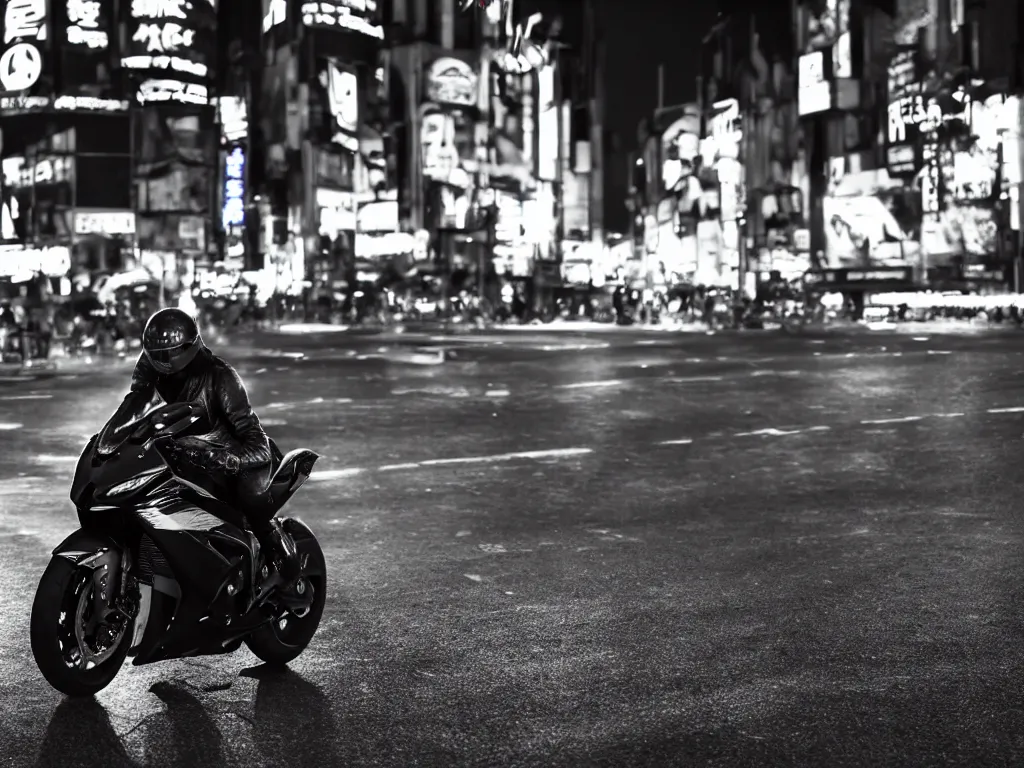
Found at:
<point>285,638</point>
<point>63,593</point>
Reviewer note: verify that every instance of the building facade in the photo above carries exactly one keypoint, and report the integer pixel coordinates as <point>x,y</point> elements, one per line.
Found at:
<point>876,145</point>
<point>421,137</point>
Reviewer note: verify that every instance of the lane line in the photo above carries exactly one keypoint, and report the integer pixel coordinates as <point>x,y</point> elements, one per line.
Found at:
<point>1011,409</point>
<point>281,406</point>
<point>773,432</point>
<point>681,441</point>
<point>895,420</point>
<point>9,426</point>
<point>592,384</point>
<point>556,453</point>
<point>11,398</point>
<point>337,474</point>
<point>692,379</point>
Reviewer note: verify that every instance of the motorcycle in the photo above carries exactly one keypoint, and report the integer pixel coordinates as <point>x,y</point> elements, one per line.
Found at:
<point>155,573</point>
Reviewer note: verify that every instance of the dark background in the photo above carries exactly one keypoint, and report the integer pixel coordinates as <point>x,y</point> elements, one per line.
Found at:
<point>640,34</point>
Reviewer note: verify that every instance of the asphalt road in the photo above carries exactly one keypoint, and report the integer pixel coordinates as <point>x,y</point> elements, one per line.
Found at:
<point>607,549</point>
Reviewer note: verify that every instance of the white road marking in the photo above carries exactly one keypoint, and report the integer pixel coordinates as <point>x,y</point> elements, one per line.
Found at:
<point>6,426</point>
<point>433,392</point>
<point>948,415</point>
<point>693,379</point>
<point>10,398</point>
<point>497,393</point>
<point>1012,409</point>
<point>337,474</point>
<point>773,432</point>
<point>592,384</point>
<point>556,453</point>
<point>939,352</point>
<point>298,403</point>
<point>682,441</point>
<point>47,458</point>
<point>895,420</point>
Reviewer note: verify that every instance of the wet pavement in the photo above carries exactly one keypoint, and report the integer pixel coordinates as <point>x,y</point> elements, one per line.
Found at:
<point>586,549</point>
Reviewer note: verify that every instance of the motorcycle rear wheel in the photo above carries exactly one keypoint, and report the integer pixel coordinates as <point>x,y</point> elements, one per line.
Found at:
<point>284,639</point>
<point>64,593</point>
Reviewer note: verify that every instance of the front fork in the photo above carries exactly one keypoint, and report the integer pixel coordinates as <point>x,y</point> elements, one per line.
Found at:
<point>111,570</point>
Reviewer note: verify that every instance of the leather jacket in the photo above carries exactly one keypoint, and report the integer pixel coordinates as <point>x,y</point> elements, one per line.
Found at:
<point>209,382</point>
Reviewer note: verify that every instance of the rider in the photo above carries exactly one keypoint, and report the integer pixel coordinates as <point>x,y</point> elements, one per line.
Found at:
<point>176,365</point>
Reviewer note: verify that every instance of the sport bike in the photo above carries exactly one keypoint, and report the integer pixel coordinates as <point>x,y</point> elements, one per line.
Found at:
<point>155,573</point>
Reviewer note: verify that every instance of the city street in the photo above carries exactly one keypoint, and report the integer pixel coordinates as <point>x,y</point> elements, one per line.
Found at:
<point>608,549</point>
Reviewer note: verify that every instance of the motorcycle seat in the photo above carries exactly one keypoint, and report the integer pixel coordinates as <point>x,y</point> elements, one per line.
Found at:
<point>293,469</point>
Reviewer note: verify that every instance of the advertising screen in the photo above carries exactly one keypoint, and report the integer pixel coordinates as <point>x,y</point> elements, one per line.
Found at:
<point>871,220</point>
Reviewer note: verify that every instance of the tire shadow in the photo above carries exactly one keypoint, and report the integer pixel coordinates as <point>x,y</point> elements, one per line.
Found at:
<point>80,735</point>
<point>293,722</point>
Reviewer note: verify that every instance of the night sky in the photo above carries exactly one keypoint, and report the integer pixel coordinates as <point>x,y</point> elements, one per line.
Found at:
<point>641,34</point>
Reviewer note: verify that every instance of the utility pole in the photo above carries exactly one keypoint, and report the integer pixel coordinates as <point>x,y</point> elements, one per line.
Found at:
<point>556,49</point>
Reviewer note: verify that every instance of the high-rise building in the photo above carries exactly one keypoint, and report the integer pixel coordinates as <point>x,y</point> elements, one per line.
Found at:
<point>66,187</point>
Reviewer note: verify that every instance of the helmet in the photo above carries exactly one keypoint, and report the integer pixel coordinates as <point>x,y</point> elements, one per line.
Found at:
<point>171,340</point>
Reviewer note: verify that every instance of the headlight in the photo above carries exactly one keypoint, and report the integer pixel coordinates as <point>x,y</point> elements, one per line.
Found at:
<point>134,484</point>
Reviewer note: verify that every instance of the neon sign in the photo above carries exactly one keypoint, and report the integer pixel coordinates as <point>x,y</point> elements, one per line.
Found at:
<point>345,14</point>
<point>85,24</point>
<point>172,90</point>
<point>233,210</point>
<point>164,37</point>
<point>21,64</point>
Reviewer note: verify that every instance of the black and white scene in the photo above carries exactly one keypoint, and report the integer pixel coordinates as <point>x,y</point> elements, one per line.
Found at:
<point>527,383</point>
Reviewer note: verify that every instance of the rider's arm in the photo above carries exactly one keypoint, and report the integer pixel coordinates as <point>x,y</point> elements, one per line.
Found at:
<point>135,403</point>
<point>253,448</point>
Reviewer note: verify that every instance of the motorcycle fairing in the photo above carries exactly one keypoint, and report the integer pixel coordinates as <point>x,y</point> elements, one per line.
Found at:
<point>195,611</point>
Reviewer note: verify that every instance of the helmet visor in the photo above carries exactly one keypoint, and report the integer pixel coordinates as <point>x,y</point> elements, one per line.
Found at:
<point>171,360</point>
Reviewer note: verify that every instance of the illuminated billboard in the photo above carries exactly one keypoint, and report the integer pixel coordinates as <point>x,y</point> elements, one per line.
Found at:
<point>905,113</point>
<point>966,171</point>
<point>25,50</point>
<point>339,89</point>
<point>87,23</point>
<point>814,86</point>
<point>871,219</point>
<point>356,16</point>
<point>172,42</point>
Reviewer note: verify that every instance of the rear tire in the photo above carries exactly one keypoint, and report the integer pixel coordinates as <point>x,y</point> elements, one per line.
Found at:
<point>279,643</point>
<point>54,613</point>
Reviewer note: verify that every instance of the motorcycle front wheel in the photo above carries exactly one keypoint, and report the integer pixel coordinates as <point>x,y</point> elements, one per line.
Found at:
<point>75,656</point>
